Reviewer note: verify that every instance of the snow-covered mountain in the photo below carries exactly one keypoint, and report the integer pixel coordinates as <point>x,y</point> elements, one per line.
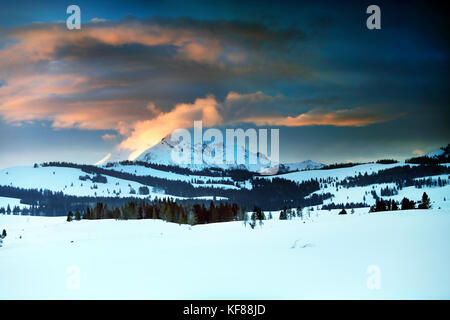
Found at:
<point>162,153</point>
<point>304,165</point>
<point>442,153</point>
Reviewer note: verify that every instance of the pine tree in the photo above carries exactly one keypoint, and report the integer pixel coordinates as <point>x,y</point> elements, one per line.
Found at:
<point>77,215</point>
<point>394,206</point>
<point>407,204</point>
<point>283,214</point>
<point>343,211</point>
<point>192,218</point>
<point>300,212</point>
<point>87,215</point>
<point>69,216</point>
<point>154,213</point>
<point>168,214</point>
<point>140,213</point>
<point>258,215</point>
<point>4,233</point>
<point>213,212</point>
<point>16,210</point>
<point>425,202</point>
<point>252,221</point>
<point>116,213</point>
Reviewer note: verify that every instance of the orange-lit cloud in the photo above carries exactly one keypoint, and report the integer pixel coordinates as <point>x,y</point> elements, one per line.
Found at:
<point>190,43</point>
<point>43,98</point>
<point>106,158</point>
<point>356,117</point>
<point>149,132</point>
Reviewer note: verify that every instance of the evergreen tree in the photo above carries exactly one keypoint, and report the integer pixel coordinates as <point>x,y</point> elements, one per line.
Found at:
<point>87,215</point>
<point>300,212</point>
<point>213,212</point>
<point>394,205</point>
<point>192,217</point>
<point>4,233</point>
<point>116,213</point>
<point>380,205</point>
<point>252,221</point>
<point>283,214</point>
<point>16,210</point>
<point>69,216</point>
<point>343,211</point>
<point>77,215</point>
<point>258,215</point>
<point>140,213</point>
<point>407,204</point>
<point>425,202</point>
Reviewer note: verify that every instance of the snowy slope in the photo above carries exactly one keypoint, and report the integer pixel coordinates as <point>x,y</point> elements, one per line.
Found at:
<point>325,257</point>
<point>440,196</point>
<point>340,173</point>
<point>66,180</point>
<point>435,154</point>
<point>145,171</point>
<point>12,202</point>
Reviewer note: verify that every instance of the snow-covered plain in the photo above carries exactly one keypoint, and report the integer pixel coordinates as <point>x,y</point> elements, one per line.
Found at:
<point>326,256</point>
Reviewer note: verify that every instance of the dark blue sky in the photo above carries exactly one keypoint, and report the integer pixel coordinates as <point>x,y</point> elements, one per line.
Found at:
<point>79,95</point>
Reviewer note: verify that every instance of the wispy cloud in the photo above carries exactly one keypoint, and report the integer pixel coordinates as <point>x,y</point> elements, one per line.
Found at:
<point>356,117</point>
<point>109,137</point>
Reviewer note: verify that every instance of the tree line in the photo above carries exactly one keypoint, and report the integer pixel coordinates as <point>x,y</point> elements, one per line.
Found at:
<point>405,204</point>
<point>402,176</point>
<point>164,209</point>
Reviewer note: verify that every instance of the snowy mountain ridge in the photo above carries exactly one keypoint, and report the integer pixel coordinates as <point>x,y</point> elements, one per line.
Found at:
<point>161,153</point>
<point>440,153</point>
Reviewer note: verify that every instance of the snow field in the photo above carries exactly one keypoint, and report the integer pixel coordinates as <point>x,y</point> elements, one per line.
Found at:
<point>327,256</point>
